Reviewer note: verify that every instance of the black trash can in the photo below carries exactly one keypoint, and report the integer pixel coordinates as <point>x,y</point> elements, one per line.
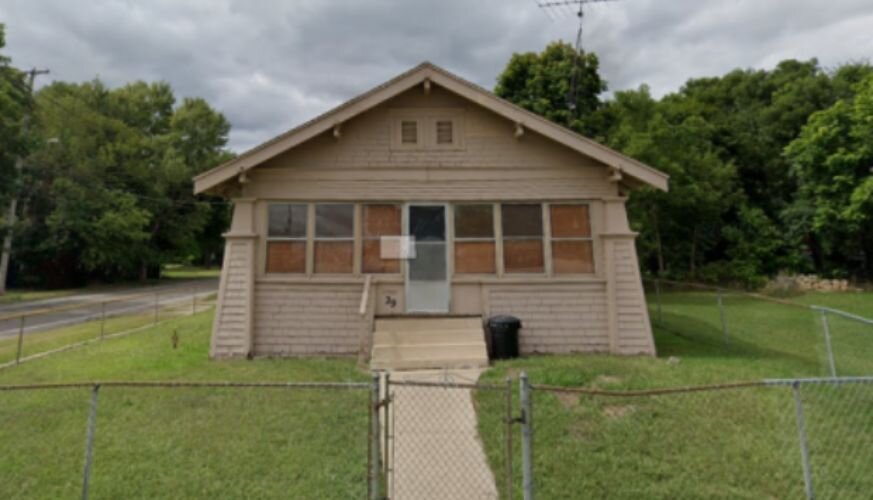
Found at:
<point>503,334</point>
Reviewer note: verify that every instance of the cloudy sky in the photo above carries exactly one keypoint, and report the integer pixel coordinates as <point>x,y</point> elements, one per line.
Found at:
<point>271,64</point>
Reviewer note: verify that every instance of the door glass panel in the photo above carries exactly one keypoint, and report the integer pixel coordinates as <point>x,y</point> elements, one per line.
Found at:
<point>427,223</point>
<point>427,285</point>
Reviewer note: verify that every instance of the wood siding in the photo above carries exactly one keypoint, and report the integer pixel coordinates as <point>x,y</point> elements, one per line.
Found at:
<point>492,164</point>
<point>556,318</point>
<point>293,320</point>
<point>232,327</point>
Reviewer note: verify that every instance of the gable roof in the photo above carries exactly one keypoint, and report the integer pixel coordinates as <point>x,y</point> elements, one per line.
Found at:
<point>403,82</point>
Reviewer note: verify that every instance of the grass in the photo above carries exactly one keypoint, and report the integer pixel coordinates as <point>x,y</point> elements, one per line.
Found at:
<point>727,444</point>
<point>24,295</point>
<point>39,342</point>
<point>179,443</point>
<point>178,271</point>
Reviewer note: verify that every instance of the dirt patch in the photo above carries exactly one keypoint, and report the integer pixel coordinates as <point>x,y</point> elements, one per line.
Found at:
<point>567,399</point>
<point>618,411</point>
<point>605,380</point>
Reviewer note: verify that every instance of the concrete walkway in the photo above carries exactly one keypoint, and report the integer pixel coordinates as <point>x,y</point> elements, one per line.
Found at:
<point>437,453</point>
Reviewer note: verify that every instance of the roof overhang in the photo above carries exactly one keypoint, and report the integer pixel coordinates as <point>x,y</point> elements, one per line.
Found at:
<point>250,159</point>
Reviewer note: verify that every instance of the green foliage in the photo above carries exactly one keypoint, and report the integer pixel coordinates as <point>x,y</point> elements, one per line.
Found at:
<point>833,161</point>
<point>543,83</point>
<point>737,209</point>
<point>109,189</point>
<point>14,104</point>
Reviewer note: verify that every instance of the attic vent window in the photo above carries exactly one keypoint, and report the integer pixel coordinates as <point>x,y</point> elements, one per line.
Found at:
<point>408,132</point>
<point>444,132</point>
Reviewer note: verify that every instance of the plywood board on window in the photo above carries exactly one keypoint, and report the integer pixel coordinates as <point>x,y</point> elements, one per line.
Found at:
<point>372,261</point>
<point>523,256</point>
<point>572,256</point>
<point>570,221</point>
<point>474,257</point>
<point>286,257</point>
<point>334,256</point>
<point>382,220</point>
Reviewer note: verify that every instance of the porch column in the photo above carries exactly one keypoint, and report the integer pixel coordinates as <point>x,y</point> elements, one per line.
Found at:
<point>232,329</point>
<point>629,329</point>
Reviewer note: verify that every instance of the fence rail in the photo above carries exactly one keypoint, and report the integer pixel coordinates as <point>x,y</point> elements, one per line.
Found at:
<point>34,334</point>
<point>843,339</point>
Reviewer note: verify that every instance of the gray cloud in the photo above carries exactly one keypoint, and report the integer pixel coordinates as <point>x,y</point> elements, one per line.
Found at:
<point>271,64</point>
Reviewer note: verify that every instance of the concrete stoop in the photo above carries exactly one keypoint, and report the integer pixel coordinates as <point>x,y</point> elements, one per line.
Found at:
<point>428,343</point>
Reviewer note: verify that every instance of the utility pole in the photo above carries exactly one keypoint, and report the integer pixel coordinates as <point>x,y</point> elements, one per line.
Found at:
<point>12,213</point>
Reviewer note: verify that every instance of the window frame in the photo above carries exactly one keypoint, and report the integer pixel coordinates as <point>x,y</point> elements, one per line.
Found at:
<point>543,237</point>
<point>477,239</point>
<point>274,239</point>
<point>589,238</point>
<point>426,125</point>
<point>334,239</point>
<point>364,238</point>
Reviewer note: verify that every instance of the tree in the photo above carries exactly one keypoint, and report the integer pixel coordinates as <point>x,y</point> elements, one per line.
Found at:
<point>832,161</point>
<point>15,100</point>
<point>543,83</point>
<point>109,191</point>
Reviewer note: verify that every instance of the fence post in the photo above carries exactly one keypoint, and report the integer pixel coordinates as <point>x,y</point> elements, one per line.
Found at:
<point>20,340</point>
<point>801,432</point>
<point>826,328</point>
<point>89,442</point>
<point>509,422</point>
<point>102,319</point>
<point>157,295</point>
<point>385,426</point>
<point>658,298</point>
<point>374,438</point>
<point>526,438</point>
<point>724,328</point>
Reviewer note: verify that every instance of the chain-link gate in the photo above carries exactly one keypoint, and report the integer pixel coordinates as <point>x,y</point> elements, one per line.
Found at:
<point>434,433</point>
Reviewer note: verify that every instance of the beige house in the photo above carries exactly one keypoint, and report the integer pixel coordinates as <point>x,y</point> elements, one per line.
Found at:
<point>428,197</point>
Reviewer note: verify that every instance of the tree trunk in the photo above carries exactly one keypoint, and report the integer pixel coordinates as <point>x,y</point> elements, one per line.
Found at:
<point>692,268</point>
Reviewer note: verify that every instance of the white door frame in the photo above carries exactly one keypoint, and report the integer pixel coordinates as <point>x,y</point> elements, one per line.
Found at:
<point>446,228</point>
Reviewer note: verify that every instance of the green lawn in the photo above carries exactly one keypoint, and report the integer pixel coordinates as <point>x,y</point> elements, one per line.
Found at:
<point>181,443</point>
<point>23,295</point>
<point>727,444</point>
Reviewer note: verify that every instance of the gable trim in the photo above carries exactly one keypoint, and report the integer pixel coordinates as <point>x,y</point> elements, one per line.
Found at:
<point>428,72</point>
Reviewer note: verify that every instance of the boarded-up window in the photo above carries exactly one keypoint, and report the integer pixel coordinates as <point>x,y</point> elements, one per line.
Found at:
<point>444,132</point>
<point>474,239</point>
<point>408,132</point>
<point>286,238</point>
<point>572,245</point>
<point>522,238</point>
<point>334,238</point>
<point>379,220</point>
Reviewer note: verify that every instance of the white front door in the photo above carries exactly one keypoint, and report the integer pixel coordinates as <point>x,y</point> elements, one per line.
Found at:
<point>427,279</point>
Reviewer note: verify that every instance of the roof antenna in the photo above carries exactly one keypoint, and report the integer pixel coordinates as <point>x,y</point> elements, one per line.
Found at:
<point>562,6</point>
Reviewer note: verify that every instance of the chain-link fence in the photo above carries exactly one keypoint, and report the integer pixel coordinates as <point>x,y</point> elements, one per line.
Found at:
<point>820,341</point>
<point>768,439</point>
<point>434,438</point>
<point>186,440</point>
<point>33,334</point>
<point>440,437</point>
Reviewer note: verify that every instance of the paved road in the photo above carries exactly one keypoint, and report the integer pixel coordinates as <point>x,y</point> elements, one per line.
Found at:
<point>91,305</point>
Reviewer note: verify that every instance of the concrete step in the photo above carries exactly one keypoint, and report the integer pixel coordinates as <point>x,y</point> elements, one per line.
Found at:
<point>422,343</point>
<point>410,325</point>
<point>420,337</point>
<point>436,351</point>
<point>429,363</point>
